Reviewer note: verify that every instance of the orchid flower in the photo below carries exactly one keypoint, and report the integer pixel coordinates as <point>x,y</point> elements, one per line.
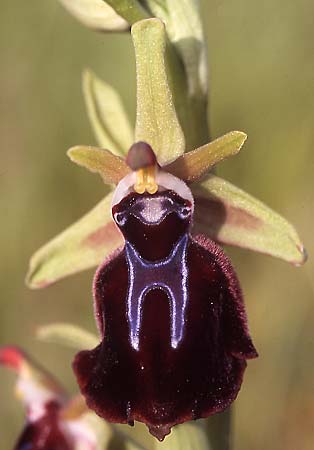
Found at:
<point>169,308</point>
<point>173,330</point>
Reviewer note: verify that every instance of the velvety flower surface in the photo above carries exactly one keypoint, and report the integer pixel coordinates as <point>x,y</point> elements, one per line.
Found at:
<point>171,316</point>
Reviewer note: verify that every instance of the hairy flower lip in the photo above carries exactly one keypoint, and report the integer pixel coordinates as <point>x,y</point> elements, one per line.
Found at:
<point>152,334</point>
<point>161,431</point>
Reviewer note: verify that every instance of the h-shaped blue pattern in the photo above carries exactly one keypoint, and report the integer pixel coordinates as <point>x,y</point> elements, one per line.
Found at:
<point>169,274</point>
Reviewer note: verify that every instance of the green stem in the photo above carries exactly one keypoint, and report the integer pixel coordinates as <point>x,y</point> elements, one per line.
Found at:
<point>191,110</point>
<point>218,430</point>
<point>131,10</point>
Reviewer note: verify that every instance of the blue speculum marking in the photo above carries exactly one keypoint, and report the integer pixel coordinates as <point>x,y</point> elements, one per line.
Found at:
<point>169,274</point>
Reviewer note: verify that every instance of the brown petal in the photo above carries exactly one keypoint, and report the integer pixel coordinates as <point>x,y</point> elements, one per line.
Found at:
<point>110,167</point>
<point>193,165</point>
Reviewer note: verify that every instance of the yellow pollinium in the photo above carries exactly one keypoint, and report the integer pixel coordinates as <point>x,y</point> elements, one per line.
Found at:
<point>146,180</point>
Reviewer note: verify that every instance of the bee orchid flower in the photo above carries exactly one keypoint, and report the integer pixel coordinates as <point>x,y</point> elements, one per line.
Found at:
<point>169,308</point>
<point>173,330</point>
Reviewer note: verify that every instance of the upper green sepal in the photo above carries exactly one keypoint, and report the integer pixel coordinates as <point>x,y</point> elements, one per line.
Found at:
<point>231,216</point>
<point>156,119</point>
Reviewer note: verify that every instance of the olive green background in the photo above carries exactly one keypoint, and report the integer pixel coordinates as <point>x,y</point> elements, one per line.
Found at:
<point>262,82</point>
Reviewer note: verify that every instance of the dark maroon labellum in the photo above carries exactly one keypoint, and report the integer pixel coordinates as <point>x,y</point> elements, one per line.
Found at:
<point>45,433</point>
<point>172,319</point>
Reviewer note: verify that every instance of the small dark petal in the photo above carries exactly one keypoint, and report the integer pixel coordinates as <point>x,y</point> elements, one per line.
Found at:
<point>178,351</point>
<point>45,433</point>
<point>140,155</point>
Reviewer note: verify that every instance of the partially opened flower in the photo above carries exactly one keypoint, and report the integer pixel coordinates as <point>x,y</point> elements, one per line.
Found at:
<point>53,420</point>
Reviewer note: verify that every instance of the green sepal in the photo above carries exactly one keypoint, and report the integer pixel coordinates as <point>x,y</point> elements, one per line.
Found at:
<point>156,119</point>
<point>107,115</point>
<point>81,246</point>
<point>231,216</point>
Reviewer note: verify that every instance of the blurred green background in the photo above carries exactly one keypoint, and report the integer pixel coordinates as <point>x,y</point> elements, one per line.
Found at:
<point>262,82</point>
